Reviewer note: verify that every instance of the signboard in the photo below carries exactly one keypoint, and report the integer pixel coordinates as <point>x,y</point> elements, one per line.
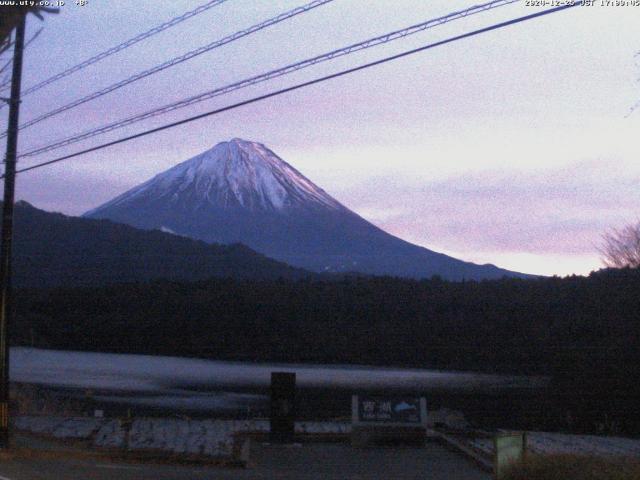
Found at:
<point>388,420</point>
<point>283,415</point>
<point>380,410</point>
<point>509,448</point>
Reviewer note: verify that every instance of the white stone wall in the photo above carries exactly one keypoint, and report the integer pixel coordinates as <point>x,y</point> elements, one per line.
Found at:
<point>199,437</point>
<point>546,443</point>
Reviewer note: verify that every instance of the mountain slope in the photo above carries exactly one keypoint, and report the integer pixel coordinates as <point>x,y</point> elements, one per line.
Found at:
<point>241,191</point>
<point>51,249</point>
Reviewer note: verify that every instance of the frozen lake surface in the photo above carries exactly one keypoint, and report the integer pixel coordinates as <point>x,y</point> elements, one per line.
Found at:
<point>195,384</point>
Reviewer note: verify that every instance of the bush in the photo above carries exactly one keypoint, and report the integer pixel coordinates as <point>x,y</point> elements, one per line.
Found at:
<point>569,467</point>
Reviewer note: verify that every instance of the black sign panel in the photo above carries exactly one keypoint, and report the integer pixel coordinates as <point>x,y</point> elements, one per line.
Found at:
<point>386,410</point>
<point>283,414</point>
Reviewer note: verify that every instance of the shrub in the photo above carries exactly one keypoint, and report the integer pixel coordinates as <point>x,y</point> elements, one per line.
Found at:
<point>569,467</point>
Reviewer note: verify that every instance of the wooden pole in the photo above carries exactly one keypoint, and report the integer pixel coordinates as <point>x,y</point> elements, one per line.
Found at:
<point>7,232</point>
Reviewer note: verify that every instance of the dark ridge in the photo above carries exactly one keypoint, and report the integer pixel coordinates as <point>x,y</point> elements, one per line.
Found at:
<point>52,249</point>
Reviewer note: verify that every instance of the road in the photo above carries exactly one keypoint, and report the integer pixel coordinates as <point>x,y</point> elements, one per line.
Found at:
<point>305,462</point>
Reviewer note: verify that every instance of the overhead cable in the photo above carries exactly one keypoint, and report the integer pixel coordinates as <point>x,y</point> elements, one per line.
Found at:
<point>372,42</point>
<point>132,41</point>
<point>177,60</point>
<point>301,85</point>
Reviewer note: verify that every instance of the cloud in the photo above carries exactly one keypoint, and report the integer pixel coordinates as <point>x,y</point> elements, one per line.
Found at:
<point>552,211</point>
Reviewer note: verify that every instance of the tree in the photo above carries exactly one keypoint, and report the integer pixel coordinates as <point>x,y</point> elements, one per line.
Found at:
<point>621,247</point>
<point>10,18</point>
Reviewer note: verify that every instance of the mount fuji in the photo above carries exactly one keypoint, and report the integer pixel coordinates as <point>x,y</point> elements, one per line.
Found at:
<point>240,191</point>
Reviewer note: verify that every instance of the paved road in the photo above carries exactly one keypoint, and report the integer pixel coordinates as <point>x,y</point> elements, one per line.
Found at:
<point>307,462</point>
<point>338,461</point>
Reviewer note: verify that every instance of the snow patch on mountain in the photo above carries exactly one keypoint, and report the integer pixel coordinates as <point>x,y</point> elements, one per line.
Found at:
<point>167,230</point>
<point>237,173</point>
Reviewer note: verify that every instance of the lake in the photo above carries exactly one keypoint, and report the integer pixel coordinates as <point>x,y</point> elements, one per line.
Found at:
<point>175,384</point>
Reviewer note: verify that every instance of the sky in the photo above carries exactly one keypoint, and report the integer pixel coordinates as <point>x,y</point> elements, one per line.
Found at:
<point>518,147</point>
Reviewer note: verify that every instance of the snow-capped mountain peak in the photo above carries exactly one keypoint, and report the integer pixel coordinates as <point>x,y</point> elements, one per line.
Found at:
<point>233,174</point>
<point>240,191</point>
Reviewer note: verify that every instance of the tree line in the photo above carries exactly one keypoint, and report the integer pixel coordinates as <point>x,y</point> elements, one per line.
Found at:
<point>582,331</point>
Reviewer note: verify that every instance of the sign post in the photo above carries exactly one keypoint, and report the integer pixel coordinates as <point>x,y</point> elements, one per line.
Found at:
<point>508,448</point>
<point>283,412</point>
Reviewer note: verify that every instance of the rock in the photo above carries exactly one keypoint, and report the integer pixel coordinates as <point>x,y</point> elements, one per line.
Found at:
<point>111,435</point>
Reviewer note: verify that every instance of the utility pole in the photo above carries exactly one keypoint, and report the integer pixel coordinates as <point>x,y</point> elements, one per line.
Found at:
<point>7,232</point>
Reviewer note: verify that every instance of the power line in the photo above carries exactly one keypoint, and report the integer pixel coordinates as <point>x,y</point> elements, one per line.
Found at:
<point>302,85</point>
<point>177,60</point>
<point>132,41</point>
<point>388,37</point>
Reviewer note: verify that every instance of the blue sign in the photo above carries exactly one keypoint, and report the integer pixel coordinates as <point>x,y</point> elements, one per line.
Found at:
<point>386,410</point>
